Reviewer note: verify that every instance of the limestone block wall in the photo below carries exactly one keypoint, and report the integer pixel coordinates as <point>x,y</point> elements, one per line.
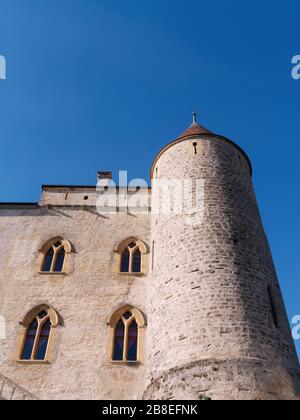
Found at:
<point>84,299</point>
<point>138,200</point>
<point>213,328</point>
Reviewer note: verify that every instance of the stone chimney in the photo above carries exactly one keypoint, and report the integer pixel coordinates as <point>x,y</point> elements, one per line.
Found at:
<point>104,175</point>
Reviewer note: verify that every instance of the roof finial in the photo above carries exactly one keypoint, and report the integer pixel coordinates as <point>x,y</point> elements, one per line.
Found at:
<point>194,117</point>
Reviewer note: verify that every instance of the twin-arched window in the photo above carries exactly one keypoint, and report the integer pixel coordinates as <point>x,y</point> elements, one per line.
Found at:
<point>54,256</point>
<point>37,329</point>
<point>131,257</point>
<point>127,325</point>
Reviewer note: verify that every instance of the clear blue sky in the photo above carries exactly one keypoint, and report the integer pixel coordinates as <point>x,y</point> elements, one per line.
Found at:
<point>104,84</point>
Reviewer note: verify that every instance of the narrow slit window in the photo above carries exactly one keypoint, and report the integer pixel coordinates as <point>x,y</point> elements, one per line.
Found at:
<point>273,308</point>
<point>195,148</point>
<point>240,161</point>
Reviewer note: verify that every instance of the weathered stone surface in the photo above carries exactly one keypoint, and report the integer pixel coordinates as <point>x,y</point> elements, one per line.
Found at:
<point>210,321</point>
<point>84,299</point>
<point>208,296</point>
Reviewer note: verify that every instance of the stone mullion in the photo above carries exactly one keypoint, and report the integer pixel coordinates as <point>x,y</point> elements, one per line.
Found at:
<point>56,252</point>
<point>130,260</point>
<point>53,260</point>
<point>36,340</point>
<point>125,350</point>
<point>131,253</point>
<point>138,354</point>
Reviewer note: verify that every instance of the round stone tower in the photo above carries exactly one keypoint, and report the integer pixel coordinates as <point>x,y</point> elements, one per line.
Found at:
<point>217,324</point>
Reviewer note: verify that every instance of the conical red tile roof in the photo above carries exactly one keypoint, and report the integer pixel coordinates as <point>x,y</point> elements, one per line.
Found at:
<point>195,129</point>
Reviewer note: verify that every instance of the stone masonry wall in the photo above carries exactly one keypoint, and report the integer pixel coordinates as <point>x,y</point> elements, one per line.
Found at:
<point>209,302</point>
<point>216,321</point>
<point>84,299</point>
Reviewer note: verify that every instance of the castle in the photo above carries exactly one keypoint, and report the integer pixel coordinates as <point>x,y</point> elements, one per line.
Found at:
<point>105,302</point>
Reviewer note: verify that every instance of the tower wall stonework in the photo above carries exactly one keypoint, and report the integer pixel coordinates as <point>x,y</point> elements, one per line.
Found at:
<point>217,321</point>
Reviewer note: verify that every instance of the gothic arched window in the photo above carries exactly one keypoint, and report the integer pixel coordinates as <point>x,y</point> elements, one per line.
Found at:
<point>36,334</point>
<point>127,326</point>
<point>54,255</point>
<point>131,257</point>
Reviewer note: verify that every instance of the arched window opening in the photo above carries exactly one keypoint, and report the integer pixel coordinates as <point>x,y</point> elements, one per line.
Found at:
<point>54,255</point>
<point>37,338</point>
<point>132,257</point>
<point>127,326</point>
<point>54,259</point>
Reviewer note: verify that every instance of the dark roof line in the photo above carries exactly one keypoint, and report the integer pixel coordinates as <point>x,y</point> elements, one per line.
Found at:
<point>94,187</point>
<point>45,186</point>
<point>12,205</point>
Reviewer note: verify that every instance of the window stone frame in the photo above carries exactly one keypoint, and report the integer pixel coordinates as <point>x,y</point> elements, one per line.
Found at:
<point>112,323</point>
<point>43,253</point>
<point>120,248</point>
<point>55,320</point>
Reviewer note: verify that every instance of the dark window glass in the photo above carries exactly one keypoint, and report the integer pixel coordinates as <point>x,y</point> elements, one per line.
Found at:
<point>119,341</point>
<point>125,261</point>
<point>132,245</point>
<point>59,263</point>
<point>127,315</point>
<point>29,341</point>
<point>57,244</point>
<point>42,314</point>
<point>43,341</point>
<point>132,342</point>
<point>137,260</point>
<point>48,260</point>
